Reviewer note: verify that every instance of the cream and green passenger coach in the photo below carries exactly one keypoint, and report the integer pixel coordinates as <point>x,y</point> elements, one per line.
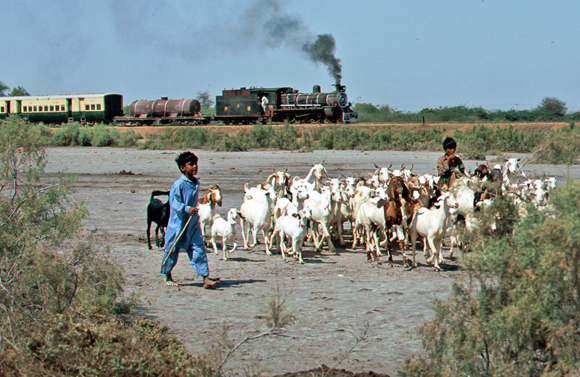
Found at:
<point>86,108</point>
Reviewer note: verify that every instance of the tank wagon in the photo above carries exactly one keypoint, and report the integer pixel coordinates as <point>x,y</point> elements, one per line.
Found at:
<point>164,111</point>
<point>84,108</point>
<point>251,105</point>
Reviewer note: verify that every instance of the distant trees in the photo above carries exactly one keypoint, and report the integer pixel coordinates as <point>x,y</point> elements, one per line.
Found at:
<point>205,99</point>
<point>550,109</point>
<point>3,88</point>
<point>553,106</point>
<point>18,92</point>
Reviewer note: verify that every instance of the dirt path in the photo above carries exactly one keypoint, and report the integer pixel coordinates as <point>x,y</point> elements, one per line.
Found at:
<point>332,295</point>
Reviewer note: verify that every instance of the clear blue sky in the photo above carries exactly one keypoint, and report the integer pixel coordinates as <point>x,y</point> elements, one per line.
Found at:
<point>498,54</point>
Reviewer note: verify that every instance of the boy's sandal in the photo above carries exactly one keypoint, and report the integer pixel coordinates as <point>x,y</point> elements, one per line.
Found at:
<point>214,279</point>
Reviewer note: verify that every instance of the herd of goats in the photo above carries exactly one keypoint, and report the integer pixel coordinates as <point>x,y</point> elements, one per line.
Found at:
<point>391,205</point>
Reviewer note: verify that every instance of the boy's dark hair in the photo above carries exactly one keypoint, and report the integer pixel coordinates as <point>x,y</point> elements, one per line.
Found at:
<point>449,143</point>
<point>184,158</point>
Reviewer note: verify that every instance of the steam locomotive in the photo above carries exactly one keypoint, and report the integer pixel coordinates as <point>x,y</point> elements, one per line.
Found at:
<point>244,106</point>
<point>234,106</point>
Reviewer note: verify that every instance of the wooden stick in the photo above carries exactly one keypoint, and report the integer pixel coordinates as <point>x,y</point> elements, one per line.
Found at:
<point>177,239</point>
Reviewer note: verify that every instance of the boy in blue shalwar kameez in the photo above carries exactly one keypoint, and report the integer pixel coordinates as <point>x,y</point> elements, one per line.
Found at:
<point>183,203</point>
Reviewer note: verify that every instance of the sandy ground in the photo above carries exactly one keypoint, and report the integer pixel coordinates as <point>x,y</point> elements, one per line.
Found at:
<point>332,295</point>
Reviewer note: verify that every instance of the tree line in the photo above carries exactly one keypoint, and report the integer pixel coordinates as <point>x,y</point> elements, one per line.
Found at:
<point>16,91</point>
<point>550,109</point>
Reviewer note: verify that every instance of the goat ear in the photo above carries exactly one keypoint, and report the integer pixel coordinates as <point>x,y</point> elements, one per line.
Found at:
<point>381,203</point>
<point>295,215</point>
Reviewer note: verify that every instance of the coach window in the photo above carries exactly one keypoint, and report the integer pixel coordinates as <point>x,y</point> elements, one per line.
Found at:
<point>52,108</point>
<point>98,106</point>
<point>24,109</point>
<point>34,108</point>
<point>86,107</point>
<point>92,107</point>
<point>29,109</point>
<point>1,109</point>
<point>45,108</point>
<point>61,107</point>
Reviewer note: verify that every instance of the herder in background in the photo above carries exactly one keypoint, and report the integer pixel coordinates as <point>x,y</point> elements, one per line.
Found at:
<point>449,166</point>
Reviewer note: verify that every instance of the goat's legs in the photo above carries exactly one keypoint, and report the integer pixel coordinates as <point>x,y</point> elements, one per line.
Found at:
<point>149,234</point>
<point>245,233</point>
<point>282,246</point>
<point>297,249</point>
<point>224,248</point>
<point>326,236</point>
<point>435,249</point>
<point>215,250</point>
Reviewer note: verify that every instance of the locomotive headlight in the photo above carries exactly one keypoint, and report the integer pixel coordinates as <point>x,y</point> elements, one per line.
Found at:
<point>342,99</point>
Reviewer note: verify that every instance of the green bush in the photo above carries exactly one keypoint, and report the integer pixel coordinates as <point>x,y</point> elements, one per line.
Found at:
<point>515,310</point>
<point>62,308</point>
<point>128,138</point>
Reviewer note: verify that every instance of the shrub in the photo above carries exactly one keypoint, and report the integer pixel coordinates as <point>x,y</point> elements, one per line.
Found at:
<point>62,310</point>
<point>284,138</point>
<point>128,138</point>
<point>67,135</point>
<point>189,137</point>
<point>515,310</point>
<point>104,136</point>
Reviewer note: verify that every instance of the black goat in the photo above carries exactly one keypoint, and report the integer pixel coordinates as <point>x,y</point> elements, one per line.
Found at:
<point>157,212</point>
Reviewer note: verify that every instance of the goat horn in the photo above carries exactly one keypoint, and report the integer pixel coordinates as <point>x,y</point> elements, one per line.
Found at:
<point>273,168</point>
<point>376,166</point>
<point>372,175</point>
<point>390,166</point>
<point>286,170</point>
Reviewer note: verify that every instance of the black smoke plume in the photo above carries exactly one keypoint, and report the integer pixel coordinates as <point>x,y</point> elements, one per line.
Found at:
<point>267,21</point>
<point>322,50</point>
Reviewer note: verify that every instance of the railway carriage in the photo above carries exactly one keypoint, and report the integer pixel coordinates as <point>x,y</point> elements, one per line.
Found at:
<point>84,108</point>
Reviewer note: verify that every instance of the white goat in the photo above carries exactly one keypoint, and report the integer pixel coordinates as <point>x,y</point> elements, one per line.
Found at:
<point>433,225</point>
<point>226,230</point>
<point>323,206</point>
<point>207,205</point>
<point>256,211</point>
<point>294,226</point>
